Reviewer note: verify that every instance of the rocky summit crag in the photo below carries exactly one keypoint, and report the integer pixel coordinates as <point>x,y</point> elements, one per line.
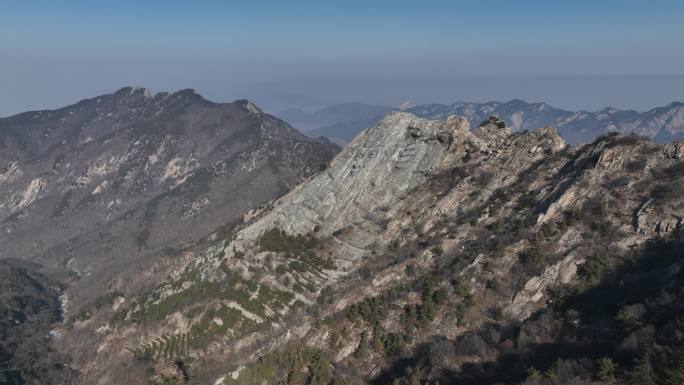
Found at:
<point>425,252</point>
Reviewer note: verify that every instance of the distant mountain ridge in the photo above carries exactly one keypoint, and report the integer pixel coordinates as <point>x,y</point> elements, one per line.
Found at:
<point>662,124</point>
<point>323,122</point>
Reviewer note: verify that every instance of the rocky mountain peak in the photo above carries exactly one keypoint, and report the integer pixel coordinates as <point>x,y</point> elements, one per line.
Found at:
<point>492,131</point>
<point>420,233</point>
<point>131,90</point>
<point>405,105</point>
<point>249,106</point>
<point>140,98</point>
<point>127,96</point>
<point>385,161</point>
<point>493,122</point>
<point>144,169</point>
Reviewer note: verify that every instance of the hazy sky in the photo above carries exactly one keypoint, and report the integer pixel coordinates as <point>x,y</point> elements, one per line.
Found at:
<point>573,54</point>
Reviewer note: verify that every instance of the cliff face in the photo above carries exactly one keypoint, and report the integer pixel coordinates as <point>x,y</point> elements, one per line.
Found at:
<point>367,178</point>
<point>421,239</point>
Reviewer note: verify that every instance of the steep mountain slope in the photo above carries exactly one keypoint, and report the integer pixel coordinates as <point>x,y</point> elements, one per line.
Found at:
<point>113,185</point>
<point>135,166</point>
<point>246,294</point>
<point>661,124</point>
<point>425,252</point>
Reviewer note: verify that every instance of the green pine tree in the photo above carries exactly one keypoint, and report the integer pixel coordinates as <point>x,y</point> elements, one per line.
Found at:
<point>606,370</point>
<point>362,350</point>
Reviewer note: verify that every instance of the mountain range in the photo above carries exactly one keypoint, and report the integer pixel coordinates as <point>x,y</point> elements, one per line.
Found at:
<point>98,190</point>
<point>661,124</point>
<point>426,251</point>
<point>331,120</point>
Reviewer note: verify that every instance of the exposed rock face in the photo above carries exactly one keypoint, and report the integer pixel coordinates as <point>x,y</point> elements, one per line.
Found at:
<point>527,300</point>
<point>650,220</point>
<point>400,182</point>
<point>366,179</point>
<point>419,233</point>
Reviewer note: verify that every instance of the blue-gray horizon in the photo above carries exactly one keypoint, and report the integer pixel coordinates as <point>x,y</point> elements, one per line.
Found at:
<point>574,55</point>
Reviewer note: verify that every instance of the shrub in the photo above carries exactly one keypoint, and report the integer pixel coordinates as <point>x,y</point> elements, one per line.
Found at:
<point>493,284</point>
<point>325,295</point>
<point>281,269</point>
<point>532,259</point>
<point>635,165</point>
<point>594,268</point>
<point>362,349</point>
<point>393,345</point>
<point>279,241</point>
<point>606,370</point>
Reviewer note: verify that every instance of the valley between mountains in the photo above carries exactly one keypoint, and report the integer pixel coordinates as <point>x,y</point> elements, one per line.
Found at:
<point>166,239</point>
